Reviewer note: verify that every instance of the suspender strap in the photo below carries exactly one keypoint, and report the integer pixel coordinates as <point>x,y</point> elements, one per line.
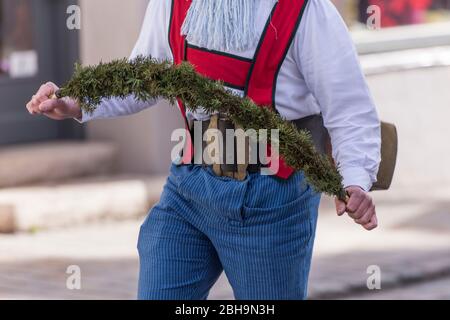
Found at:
<point>230,69</point>
<point>270,55</point>
<point>272,50</point>
<point>176,40</point>
<point>177,46</point>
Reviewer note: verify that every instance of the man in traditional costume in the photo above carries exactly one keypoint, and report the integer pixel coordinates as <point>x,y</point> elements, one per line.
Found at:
<point>295,56</point>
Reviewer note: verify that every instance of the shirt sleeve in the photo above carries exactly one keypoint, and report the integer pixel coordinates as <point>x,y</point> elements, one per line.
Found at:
<point>327,59</point>
<point>153,41</point>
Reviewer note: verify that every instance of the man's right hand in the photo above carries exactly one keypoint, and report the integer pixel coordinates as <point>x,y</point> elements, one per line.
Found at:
<point>56,109</point>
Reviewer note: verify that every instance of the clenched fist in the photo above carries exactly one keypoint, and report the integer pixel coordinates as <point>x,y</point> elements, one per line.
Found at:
<point>56,109</point>
<point>359,207</point>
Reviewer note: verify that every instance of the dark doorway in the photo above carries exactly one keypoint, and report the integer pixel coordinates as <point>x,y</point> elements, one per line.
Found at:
<point>35,46</point>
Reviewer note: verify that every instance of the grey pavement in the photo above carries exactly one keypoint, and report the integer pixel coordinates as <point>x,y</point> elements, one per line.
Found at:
<point>438,289</point>
<point>411,252</point>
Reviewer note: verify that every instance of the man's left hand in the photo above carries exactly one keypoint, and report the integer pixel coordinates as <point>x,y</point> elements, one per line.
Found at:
<point>360,207</point>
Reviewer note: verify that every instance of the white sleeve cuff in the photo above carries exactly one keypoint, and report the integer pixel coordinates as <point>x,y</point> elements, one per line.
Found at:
<point>85,117</point>
<point>80,121</point>
<point>356,176</point>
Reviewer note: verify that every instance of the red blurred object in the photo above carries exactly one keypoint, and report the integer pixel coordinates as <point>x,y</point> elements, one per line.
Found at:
<point>401,12</point>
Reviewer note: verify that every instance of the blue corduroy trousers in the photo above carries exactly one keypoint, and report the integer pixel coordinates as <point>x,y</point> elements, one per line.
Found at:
<point>260,231</point>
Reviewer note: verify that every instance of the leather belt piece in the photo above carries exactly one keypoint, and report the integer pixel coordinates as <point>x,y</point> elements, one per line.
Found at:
<point>235,164</point>
<point>314,124</point>
<point>238,169</point>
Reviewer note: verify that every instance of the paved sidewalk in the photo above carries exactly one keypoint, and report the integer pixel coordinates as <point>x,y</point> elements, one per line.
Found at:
<point>429,290</point>
<point>411,247</point>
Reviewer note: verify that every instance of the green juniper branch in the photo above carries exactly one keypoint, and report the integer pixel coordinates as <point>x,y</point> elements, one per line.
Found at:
<point>147,78</point>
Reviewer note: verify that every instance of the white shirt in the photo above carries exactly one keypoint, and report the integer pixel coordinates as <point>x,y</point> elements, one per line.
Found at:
<point>321,74</point>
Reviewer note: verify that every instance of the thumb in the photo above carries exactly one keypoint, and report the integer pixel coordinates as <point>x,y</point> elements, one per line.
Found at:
<point>51,104</point>
<point>340,207</point>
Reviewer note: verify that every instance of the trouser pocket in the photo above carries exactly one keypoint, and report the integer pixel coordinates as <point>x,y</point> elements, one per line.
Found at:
<point>218,195</point>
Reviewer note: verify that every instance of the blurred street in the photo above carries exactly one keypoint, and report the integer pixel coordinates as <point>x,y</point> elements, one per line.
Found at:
<point>412,252</point>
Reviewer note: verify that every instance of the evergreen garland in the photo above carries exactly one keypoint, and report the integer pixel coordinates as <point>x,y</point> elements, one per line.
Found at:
<point>147,79</point>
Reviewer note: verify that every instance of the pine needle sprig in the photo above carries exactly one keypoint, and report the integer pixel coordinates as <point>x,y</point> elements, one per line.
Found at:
<point>147,78</point>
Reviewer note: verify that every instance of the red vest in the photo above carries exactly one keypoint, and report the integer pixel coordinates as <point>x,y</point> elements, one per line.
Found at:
<point>257,77</point>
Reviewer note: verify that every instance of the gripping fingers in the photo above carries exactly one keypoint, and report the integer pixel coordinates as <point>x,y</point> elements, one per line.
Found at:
<point>372,224</point>
<point>43,94</point>
<point>49,105</point>
<point>354,202</point>
<point>30,108</point>
<point>340,207</point>
<point>33,105</point>
<point>367,216</point>
<point>362,209</point>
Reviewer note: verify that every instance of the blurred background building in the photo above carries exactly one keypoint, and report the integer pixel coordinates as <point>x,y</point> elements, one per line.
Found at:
<point>36,46</point>
<point>107,170</point>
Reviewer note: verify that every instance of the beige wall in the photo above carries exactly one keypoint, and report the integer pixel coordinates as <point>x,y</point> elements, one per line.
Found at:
<point>109,30</point>
<point>417,101</point>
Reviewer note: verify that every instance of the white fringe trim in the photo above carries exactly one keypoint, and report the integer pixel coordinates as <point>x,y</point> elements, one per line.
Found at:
<point>223,25</point>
